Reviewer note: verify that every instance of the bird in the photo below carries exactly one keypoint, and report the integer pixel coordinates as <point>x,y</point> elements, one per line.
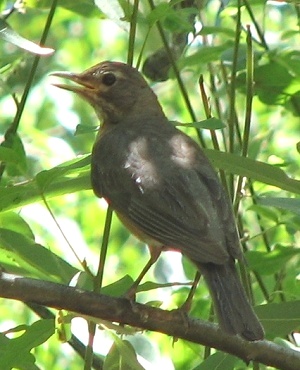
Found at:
<point>162,186</point>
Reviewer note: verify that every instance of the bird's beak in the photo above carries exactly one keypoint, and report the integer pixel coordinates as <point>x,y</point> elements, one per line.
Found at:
<point>85,88</point>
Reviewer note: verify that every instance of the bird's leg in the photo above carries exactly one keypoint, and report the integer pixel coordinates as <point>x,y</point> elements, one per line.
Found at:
<point>188,302</point>
<point>184,309</point>
<point>154,254</point>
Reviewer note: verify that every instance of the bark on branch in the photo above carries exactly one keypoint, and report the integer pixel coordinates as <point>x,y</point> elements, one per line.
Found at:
<point>123,311</point>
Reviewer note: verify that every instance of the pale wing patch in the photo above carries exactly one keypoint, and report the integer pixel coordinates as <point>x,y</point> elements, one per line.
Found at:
<point>140,165</point>
<point>183,152</point>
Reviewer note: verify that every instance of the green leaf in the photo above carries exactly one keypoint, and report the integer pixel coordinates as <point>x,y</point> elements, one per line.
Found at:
<point>289,59</point>
<point>267,263</point>
<point>12,152</point>
<point>218,360</point>
<point>265,212</point>
<point>28,192</point>
<point>15,352</point>
<point>9,35</point>
<point>21,252</point>
<point>207,30</point>
<point>71,168</point>
<point>85,281</point>
<point>85,129</point>
<point>158,14</point>
<point>149,285</point>
<point>288,204</point>
<point>210,124</point>
<point>121,356</point>
<point>292,103</point>
<point>156,303</point>
<point>270,90</point>
<point>253,169</point>
<point>179,20</point>
<point>119,287</point>
<point>206,54</point>
<point>228,56</point>
<point>66,178</point>
<point>13,221</point>
<point>8,155</point>
<point>7,353</point>
<point>279,319</point>
<point>115,12</point>
<point>85,8</point>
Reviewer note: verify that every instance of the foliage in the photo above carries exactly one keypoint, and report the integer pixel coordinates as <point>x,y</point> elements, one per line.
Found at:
<point>51,226</point>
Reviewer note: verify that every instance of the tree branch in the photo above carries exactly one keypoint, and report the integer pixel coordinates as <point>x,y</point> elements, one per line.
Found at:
<point>123,311</point>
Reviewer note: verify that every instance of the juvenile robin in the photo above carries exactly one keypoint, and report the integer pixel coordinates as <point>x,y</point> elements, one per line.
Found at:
<point>162,186</point>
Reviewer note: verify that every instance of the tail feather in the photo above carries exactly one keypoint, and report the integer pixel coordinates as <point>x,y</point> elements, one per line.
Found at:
<point>234,312</point>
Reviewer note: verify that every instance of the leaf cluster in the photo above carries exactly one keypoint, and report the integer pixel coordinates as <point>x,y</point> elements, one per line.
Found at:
<point>228,76</point>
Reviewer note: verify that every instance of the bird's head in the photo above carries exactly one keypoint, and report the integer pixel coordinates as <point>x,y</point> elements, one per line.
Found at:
<point>115,90</point>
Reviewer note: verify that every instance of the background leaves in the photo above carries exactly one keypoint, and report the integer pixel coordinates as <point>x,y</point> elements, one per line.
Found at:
<point>51,225</point>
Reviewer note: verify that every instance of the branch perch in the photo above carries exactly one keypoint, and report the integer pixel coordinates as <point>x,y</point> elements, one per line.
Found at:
<point>123,311</point>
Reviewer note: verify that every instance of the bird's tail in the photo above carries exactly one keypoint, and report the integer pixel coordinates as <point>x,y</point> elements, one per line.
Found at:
<point>234,312</point>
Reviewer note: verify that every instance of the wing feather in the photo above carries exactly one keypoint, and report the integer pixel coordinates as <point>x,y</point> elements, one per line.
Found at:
<point>169,192</point>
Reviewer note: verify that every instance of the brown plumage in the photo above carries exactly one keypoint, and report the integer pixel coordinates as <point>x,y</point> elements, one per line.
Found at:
<point>162,186</point>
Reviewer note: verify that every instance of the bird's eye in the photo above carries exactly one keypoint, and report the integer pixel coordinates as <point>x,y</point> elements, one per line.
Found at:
<point>109,79</point>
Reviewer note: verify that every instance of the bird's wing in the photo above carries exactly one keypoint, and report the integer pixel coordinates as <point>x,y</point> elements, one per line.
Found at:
<point>171,215</point>
<point>177,202</point>
<point>181,217</point>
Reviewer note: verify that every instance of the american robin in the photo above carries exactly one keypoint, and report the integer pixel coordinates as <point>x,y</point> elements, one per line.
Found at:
<point>162,186</point>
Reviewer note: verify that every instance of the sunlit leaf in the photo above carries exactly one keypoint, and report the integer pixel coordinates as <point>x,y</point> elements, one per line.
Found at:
<point>279,319</point>
<point>9,35</point>
<point>33,258</point>
<point>253,169</point>
<point>71,168</point>
<point>119,287</point>
<point>208,30</point>
<point>158,14</point>
<point>8,155</point>
<point>113,11</point>
<point>205,54</point>
<point>15,353</point>
<point>267,263</point>
<point>85,129</point>
<point>85,8</point>
<point>13,221</point>
<point>210,124</point>
<point>265,212</point>
<point>29,192</point>
<point>12,152</point>
<point>121,356</point>
<point>218,360</point>
<point>288,204</point>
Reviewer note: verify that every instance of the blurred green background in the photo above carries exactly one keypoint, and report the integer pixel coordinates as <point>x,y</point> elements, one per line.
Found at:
<point>45,209</point>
